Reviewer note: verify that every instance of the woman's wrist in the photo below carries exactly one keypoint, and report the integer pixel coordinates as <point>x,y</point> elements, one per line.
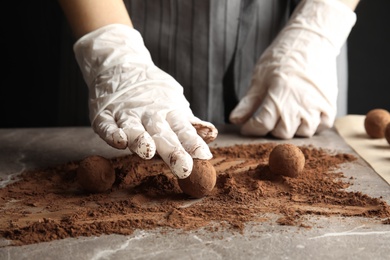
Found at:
<point>350,3</point>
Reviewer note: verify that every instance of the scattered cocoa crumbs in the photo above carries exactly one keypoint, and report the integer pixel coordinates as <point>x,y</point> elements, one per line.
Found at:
<point>47,204</point>
<point>386,221</point>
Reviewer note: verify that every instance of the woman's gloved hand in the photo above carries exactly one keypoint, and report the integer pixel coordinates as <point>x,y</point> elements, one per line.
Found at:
<point>134,104</point>
<point>294,84</point>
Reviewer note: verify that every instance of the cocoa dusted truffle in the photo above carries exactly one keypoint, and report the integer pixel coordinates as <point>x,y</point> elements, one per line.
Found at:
<point>375,122</point>
<point>387,133</point>
<point>95,174</point>
<point>201,180</point>
<point>287,160</point>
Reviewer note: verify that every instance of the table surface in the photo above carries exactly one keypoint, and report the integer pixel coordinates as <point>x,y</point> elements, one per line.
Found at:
<point>331,237</point>
<point>376,152</point>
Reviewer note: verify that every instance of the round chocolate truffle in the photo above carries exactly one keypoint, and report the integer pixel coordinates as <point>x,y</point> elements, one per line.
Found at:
<point>375,122</point>
<point>287,160</point>
<point>387,133</point>
<point>95,174</point>
<point>201,180</point>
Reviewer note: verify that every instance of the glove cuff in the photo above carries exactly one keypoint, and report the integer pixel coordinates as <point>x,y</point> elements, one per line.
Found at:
<point>107,47</point>
<point>331,19</point>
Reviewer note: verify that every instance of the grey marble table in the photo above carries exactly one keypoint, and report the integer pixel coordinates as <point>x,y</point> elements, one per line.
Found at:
<point>329,238</point>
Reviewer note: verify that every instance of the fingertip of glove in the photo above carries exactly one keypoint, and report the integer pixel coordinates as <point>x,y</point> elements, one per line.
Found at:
<point>282,135</point>
<point>144,146</point>
<point>254,128</point>
<point>201,152</point>
<point>235,120</point>
<point>115,139</point>
<point>119,139</point>
<point>207,131</point>
<point>237,116</point>
<point>181,164</point>
<point>244,109</point>
<point>306,130</point>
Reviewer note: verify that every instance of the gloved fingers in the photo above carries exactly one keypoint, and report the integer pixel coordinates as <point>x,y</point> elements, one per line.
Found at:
<point>138,139</point>
<point>309,123</point>
<point>106,127</point>
<point>326,121</point>
<point>264,119</point>
<point>287,125</point>
<point>245,109</point>
<point>251,102</point>
<point>168,145</point>
<point>205,129</point>
<point>140,142</point>
<point>188,137</point>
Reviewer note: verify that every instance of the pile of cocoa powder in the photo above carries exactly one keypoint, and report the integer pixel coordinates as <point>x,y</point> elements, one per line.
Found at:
<point>47,204</point>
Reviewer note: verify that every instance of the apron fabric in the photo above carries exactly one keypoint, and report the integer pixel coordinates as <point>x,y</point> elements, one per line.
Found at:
<point>210,46</point>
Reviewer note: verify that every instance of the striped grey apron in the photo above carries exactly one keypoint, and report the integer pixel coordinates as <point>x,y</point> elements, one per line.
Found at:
<point>211,46</point>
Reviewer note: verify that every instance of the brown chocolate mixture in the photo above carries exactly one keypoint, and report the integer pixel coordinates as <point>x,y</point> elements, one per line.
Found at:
<point>47,204</point>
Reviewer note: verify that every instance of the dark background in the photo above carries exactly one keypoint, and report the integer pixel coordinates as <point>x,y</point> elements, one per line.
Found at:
<point>369,58</point>
<point>36,53</point>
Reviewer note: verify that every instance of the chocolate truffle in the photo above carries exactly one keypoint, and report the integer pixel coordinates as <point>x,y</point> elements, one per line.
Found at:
<point>387,133</point>
<point>95,174</point>
<point>201,180</point>
<point>287,160</point>
<point>376,121</point>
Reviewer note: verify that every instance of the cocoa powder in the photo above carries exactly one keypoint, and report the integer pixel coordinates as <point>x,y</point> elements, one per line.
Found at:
<point>46,204</point>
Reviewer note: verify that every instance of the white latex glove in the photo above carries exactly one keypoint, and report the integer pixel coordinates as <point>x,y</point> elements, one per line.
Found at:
<point>294,84</point>
<point>134,104</point>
